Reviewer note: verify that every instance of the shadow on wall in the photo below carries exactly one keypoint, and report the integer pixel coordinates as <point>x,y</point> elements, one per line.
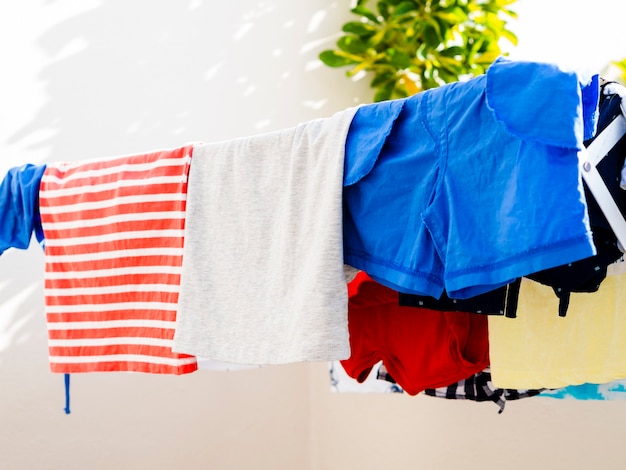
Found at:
<point>21,317</point>
<point>128,77</point>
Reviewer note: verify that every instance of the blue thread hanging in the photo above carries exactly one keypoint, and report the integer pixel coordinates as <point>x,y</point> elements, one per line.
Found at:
<point>67,394</point>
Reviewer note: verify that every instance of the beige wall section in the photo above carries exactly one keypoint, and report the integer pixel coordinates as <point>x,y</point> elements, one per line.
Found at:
<point>373,431</point>
<point>87,78</point>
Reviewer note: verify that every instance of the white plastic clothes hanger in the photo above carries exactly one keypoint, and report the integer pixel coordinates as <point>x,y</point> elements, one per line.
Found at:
<point>589,159</point>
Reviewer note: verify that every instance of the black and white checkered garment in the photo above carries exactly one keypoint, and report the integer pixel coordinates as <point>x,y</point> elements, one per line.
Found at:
<point>477,388</point>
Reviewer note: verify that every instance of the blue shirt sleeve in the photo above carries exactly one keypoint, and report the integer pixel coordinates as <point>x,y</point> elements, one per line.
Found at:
<point>541,102</point>
<point>368,132</point>
<point>19,207</point>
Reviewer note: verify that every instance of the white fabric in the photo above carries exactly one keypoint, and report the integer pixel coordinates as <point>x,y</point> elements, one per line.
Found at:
<point>617,89</point>
<point>262,278</point>
<point>341,382</point>
<point>212,365</point>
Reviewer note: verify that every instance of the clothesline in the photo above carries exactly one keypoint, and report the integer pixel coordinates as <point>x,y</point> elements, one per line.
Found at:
<point>235,251</point>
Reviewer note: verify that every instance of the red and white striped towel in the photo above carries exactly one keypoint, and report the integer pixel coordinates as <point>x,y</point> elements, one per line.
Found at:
<point>113,253</point>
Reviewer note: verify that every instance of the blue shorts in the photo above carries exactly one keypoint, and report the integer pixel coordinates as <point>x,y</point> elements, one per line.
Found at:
<point>471,185</point>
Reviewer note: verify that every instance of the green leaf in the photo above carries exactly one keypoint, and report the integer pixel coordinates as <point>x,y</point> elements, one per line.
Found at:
<point>382,79</point>
<point>352,44</point>
<point>367,13</point>
<point>399,59</point>
<point>332,59</point>
<point>510,13</point>
<point>453,17</point>
<point>487,58</point>
<point>452,51</point>
<point>512,38</point>
<point>360,29</point>
<point>431,38</point>
<point>404,7</point>
<point>383,9</point>
<point>413,45</point>
<point>502,4</point>
<point>443,28</point>
<point>383,94</point>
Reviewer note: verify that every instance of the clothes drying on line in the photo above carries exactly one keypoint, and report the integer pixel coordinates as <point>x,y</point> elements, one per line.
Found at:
<point>263,275</point>
<point>454,188</point>
<point>420,348</point>
<point>113,252</point>
<point>245,254</point>
<point>19,204</point>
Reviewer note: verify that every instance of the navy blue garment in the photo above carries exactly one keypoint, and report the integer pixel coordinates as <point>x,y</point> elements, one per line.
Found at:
<point>587,275</point>
<point>478,387</point>
<point>19,206</point>
<point>500,301</point>
<point>454,188</point>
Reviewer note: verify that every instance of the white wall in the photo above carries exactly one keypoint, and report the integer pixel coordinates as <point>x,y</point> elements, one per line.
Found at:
<point>86,78</point>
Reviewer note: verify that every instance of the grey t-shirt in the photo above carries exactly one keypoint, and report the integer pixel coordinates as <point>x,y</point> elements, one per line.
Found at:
<point>262,277</point>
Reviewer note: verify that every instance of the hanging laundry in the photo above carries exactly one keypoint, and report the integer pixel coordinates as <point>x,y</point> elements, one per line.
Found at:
<point>615,390</point>
<point>19,201</point>
<point>454,188</point>
<point>420,348</point>
<point>113,252</point>
<point>479,388</point>
<point>587,274</point>
<point>500,301</point>
<point>341,382</point>
<point>541,350</point>
<point>262,278</point>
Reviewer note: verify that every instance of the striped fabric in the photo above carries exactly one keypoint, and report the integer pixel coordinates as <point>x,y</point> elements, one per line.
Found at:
<point>113,232</point>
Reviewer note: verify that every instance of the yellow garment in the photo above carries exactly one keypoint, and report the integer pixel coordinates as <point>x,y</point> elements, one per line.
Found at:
<point>540,349</point>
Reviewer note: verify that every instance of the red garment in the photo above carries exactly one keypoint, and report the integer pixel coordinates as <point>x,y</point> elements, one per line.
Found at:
<point>420,348</point>
<point>114,242</point>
